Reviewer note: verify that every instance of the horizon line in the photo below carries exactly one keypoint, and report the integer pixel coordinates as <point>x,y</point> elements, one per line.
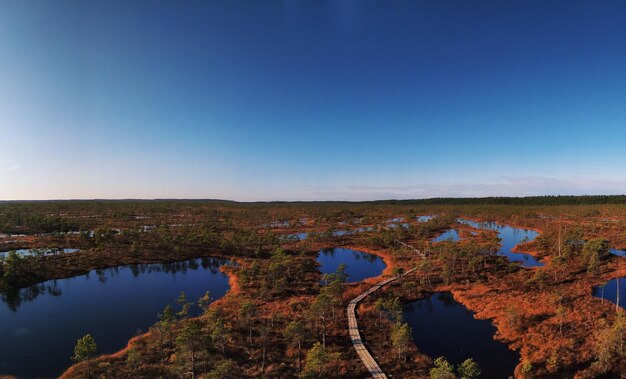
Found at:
<point>310,201</point>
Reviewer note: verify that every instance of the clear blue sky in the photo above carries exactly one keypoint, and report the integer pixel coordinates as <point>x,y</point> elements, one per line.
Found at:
<point>299,100</point>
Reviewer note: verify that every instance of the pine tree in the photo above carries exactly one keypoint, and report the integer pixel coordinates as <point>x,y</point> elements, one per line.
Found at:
<point>442,370</point>
<point>84,350</point>
<point>401,338</point>
<point>189,341</point>
<point>469,369</point>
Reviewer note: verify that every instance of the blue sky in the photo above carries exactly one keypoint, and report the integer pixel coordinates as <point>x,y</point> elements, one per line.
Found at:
<point>302,100</point>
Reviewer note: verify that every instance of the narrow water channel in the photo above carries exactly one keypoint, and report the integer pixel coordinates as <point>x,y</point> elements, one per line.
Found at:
<point>618,252</point>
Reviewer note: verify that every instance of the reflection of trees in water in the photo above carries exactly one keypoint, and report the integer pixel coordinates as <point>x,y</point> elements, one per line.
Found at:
<point>419,304</point>
<point>14,297</point>
<point>357,255</point>
<point>511,232</point>
<point>207,263</point>
<point>371,258</point>
<point>446,299</point>
<point>428,305</point>
<point>102,277</point>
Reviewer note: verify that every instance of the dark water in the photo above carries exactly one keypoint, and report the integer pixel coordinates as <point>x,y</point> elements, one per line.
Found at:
<point>448,235</point>
<point>39,327</point>
<point>360,265</point>
<point>510,237</point>
<point>443,327</point>
<point>619,253</point>
<point>609,291</point>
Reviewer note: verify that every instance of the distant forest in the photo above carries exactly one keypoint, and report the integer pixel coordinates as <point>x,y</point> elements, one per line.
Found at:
<point>493,200</point>
<point>529,200</point>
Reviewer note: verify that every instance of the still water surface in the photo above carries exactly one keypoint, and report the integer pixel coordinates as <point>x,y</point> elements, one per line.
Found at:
<point>440,326</point>
<point>360,265</point>
<point>608,291</point>
<point>509,236</point>
<point>448,235</point>
<point>618,252</point>
<point>27,252</point>
<point>425,218</point>
<point>39,325</point>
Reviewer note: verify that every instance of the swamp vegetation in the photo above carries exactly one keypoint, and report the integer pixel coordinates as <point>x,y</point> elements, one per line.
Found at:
<point>284,315</point>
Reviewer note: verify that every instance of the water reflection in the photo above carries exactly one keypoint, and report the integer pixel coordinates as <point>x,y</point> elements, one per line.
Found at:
<point>509,238</point>
<point>610,290</point>
<point>448,235</point>
<point>336,233</point>
<point>40,324</point>
<point>619,253</point>
<point>44,251</point>
<point>425,218</point>
<point>442,326</point>
<point>360,265</point>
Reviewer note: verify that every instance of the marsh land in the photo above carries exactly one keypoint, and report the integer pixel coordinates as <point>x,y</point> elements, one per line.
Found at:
<point>520,287</point>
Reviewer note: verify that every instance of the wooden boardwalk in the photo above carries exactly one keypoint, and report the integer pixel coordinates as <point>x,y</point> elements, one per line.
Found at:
<point>421,254</point>
<point>355,335</point>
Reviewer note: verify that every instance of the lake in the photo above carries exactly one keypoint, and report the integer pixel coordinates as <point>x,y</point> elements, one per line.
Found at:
<point>424,218</point>
<point>360,265</point>
<point>448,235</point>
<point>510,237</point>
<point>45,251</point>
<point>441,326</point>
<point>395,219</point>
<point>39,325</point>
<point>608,291</point>
<point>337,233</point>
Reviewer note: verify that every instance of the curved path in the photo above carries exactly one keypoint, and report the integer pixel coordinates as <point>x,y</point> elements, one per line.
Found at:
<point>355,335</point>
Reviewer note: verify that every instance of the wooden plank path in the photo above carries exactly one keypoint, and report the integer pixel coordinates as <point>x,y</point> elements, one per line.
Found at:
<point>367,359</point>
<point>422,255</point>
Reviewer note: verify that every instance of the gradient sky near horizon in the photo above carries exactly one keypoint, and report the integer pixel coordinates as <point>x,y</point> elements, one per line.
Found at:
<point>311,100</point>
